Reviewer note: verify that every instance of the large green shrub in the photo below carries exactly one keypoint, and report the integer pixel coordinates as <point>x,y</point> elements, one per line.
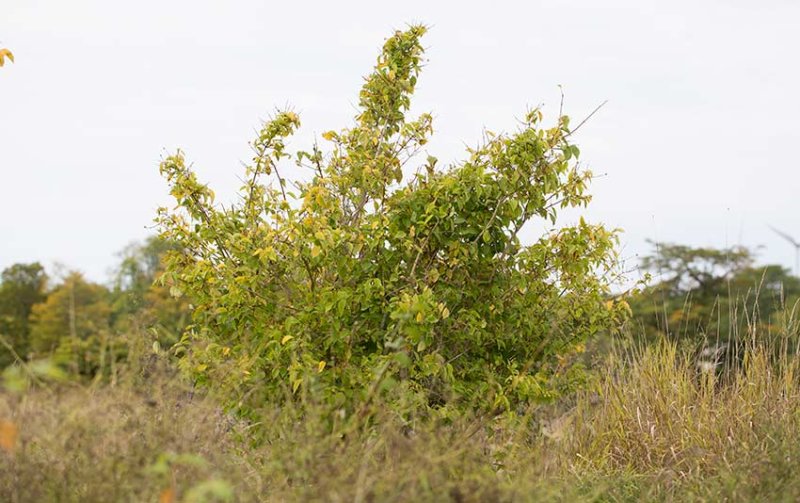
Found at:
<point>357,283</point>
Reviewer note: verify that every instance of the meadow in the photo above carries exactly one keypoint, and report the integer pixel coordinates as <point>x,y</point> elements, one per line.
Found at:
<point>648,427</point>
<point>365,334</point>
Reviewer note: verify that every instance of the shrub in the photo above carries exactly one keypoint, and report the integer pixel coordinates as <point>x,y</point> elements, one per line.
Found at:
<point>355,284</point>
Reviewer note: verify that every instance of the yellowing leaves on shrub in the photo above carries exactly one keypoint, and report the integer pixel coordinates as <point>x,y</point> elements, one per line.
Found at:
<point>5,53</point>
<point>370,269</point>
<point>8,436</point>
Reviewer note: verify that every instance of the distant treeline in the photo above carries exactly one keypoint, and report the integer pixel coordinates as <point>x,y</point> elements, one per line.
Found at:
<point>698,294</point>
<point>693,296</point>
<point>77,322</point>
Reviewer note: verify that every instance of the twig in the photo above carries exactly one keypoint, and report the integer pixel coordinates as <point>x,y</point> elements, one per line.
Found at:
<point>601,105</point>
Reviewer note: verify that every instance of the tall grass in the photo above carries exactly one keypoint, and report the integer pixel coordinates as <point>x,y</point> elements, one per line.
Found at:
<point>651,426</point>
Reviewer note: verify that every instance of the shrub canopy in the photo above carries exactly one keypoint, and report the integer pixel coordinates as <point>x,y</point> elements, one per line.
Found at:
<point>360,282</point>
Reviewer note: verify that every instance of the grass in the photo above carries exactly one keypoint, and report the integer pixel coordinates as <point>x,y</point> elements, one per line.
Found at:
<point>650,427</point>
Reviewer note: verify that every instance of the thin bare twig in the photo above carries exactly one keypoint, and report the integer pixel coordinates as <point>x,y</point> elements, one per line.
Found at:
<point>601,105</point>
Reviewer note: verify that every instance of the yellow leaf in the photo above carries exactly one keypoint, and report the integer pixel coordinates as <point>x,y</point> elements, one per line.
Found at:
<point>314,252</point>
<point>8,436</point>
<point>420,317</point>
<point>5,53</point>
<point>286,338</point>
<point>329,135</point>
<point>321,366</point>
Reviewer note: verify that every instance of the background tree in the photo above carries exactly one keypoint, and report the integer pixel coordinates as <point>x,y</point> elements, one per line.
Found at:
<point>139,302</point>
<point>701,290</point>
<point>73,323</point>
<point>21,287</point>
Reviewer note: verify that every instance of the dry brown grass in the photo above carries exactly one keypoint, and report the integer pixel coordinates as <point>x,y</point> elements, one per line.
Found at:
<point>102,444</point>
<point>649,429</point>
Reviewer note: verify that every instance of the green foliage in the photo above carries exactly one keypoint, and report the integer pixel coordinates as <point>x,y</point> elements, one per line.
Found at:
<point>701,289</point>
<point>355,284</point>
<point>21,287</point>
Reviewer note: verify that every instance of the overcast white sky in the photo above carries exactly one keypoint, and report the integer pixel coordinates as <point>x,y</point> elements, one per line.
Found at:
<point>696,142</point>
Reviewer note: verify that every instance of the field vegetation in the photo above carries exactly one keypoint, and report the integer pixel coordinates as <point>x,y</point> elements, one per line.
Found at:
<point>372,334</point>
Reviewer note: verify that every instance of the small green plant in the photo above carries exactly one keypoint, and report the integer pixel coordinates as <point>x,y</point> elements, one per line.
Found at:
<point>361,283</point>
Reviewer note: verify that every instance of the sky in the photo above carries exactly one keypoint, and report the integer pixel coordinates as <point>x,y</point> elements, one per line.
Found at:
<point>694,145</point>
